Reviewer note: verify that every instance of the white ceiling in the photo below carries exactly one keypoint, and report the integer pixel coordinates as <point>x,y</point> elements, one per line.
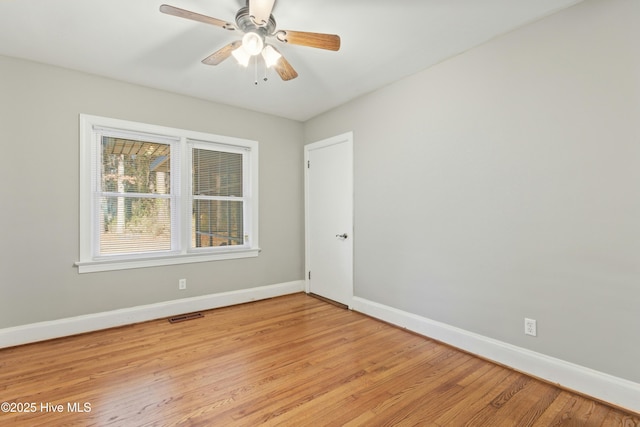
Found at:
<point>382,41</point>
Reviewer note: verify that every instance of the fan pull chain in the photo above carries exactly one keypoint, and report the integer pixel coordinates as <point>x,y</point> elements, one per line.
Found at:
<point>255,71</point>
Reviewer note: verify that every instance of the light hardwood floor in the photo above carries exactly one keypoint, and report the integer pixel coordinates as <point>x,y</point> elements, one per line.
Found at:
<point>291,361</point>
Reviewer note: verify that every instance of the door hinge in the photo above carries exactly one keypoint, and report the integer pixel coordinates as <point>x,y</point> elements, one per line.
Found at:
<point>308,164</point>
<point>309,275</point>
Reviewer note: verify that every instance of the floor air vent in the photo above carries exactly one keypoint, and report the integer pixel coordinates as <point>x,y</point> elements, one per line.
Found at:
<point>184,317</point>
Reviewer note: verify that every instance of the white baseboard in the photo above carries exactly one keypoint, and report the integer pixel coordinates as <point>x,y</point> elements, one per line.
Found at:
<point>607,388</point>
<point>41,331</point>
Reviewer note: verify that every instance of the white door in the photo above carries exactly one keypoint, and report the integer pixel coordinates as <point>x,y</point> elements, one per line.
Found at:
<point>329,218</point>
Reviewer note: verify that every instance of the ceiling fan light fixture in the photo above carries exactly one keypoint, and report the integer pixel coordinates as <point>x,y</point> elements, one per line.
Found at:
<point>270,56</point>
<point>252,43</point>
<point>241,56</point>
<point>257,23</point>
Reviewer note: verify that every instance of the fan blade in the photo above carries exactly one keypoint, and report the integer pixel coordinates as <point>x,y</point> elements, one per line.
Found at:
<point>318,40</point>
<point>220,55</point>
<point>284,69</point>
<point>176,11</point>
<point>260,11</point>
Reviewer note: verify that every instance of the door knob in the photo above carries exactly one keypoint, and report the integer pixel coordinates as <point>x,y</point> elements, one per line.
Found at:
<point>342,236</point>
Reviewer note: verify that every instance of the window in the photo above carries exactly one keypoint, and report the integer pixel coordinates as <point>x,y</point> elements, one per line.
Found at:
<point>152,195</point>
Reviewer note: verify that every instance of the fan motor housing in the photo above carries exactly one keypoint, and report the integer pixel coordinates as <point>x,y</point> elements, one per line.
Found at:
<point>246,24</point>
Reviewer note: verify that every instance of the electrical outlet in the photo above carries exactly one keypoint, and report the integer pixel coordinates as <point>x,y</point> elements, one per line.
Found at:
<point>182,284</point>
<point>530,327</point>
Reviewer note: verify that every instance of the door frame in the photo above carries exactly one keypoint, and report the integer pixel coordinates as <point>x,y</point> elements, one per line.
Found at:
<point>345,138</point>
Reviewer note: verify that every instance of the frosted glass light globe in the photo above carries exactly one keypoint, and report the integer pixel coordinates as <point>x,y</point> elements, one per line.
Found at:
<point>252,43</point>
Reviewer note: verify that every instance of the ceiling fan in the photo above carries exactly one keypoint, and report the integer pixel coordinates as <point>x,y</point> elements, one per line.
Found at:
<point>258,25</point>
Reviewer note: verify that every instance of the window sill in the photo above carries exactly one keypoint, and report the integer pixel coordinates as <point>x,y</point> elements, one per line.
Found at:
<point>121,264</point>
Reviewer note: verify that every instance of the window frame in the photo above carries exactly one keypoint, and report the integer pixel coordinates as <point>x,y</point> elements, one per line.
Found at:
<point>182,143</point>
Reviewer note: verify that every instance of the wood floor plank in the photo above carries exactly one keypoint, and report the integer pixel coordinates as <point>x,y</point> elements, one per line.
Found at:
<point>576,411</point>
<point>292,361</point>
<point>475,402</point>
<point>340,403</point>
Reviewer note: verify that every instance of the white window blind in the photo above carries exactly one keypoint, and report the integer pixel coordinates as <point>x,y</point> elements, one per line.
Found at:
<point>218,202</point>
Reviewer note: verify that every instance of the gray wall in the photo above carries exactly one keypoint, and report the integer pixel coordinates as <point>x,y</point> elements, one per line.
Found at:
<point>39,108</point>
<point>505,183</point>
